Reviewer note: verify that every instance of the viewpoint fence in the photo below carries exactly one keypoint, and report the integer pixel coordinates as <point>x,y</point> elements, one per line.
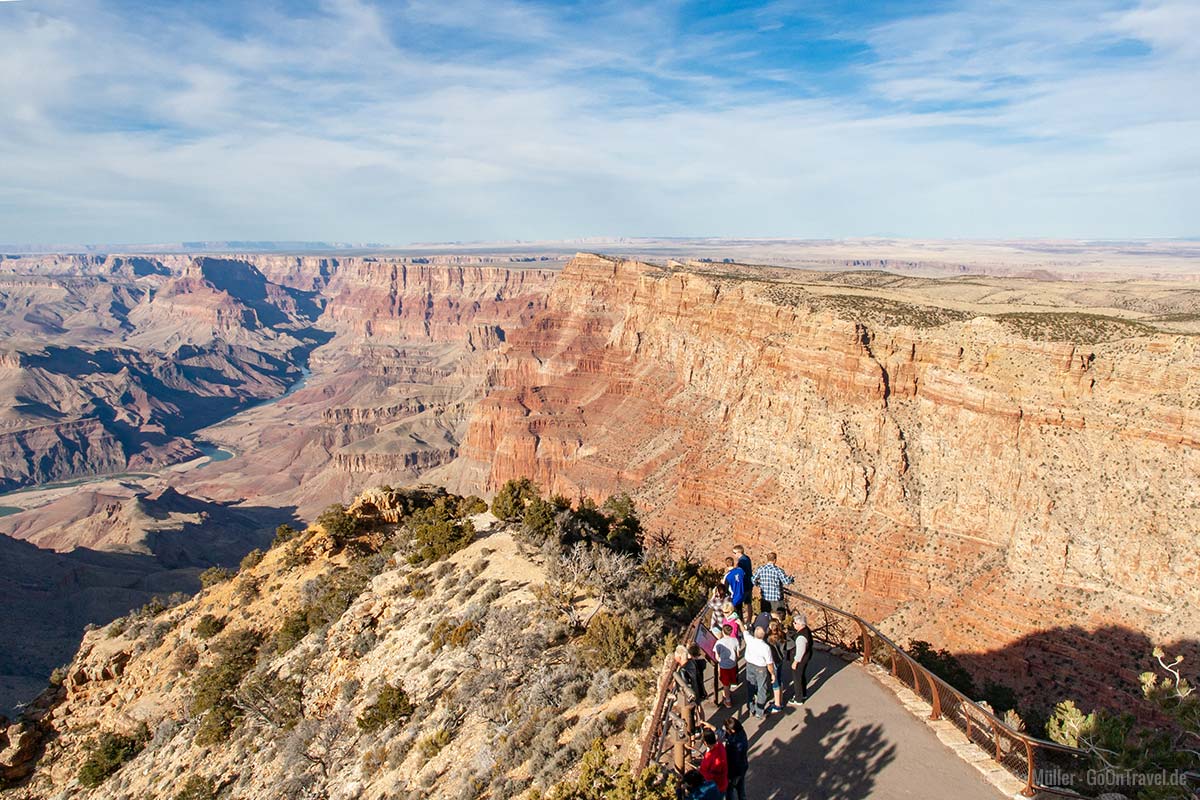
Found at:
<point>1044,766</point>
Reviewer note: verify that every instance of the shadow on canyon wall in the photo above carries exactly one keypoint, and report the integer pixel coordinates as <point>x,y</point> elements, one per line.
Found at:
<point>1096,668</point>
<point>47,597</point>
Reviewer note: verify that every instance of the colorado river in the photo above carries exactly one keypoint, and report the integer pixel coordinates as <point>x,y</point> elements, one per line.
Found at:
<point>210,453</point>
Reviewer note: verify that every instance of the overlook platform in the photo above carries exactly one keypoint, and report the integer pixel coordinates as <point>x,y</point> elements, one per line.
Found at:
<point>852,740</point>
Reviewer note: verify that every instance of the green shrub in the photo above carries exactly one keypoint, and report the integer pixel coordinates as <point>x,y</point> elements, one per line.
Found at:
<point>510,502</point>
<point>457,636</point>
<point>186,657</point>
<point>197,788</point>
<point>614,525</point>
<point>296,555</point>
<point>219,723</point>
<point>279,700</point>
<point>284,534</point>
<point>214,575</point>
<point>679,585</point>
<point>624,527</point>
<point>944,664</point>
<point>435,536</point>
<point>1132,751</point>
<point>332,593</point>
<point>291,632</point>
<point>1000,697</point>
<point>248,587</point>
<point>252,559</point>
<point>339,524</point>
<point>471,505</point>
<point>610,641</point>
<point>326,599</point>
<point>155,606</point>
<point>600,779</point>
<point>213,689</point>
<point>391,705</point>
<point>537,524</point>
<point>108,753</point>
<point>209,626</point>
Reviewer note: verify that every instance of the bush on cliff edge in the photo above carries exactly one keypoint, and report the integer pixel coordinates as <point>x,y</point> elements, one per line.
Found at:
<point>109,752</point>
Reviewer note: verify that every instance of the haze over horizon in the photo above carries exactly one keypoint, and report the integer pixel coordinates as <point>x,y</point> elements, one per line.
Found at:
<point>355,121</point>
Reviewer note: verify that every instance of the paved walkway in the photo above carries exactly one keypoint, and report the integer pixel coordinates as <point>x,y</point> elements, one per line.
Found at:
<point>852,740</point>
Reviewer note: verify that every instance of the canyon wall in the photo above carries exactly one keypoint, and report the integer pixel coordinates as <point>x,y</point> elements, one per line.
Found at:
<point>114,362</point>
<point>1027,502</point>
<point>319,376</point>
<point>390,390</point>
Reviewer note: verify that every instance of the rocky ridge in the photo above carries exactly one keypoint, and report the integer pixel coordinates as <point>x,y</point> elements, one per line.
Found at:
<point>346,671</point>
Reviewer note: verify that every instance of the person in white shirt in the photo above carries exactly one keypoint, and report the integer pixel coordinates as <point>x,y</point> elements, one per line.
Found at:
<point>760,671</point>
<point>727,649</point>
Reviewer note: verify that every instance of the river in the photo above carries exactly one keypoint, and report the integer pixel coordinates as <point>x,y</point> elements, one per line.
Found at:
<point>210,453</point>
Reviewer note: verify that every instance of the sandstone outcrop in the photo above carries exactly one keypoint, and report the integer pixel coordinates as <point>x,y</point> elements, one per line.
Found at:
<point>301,710</point>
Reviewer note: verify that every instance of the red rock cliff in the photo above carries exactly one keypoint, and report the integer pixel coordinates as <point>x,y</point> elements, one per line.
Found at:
<point>950,478</point>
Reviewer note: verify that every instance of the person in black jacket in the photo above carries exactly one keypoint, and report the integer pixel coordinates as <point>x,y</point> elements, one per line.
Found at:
<point>693,670</point>
<point>802,654</point>
<point>737,751</point>
<point>689,675</point>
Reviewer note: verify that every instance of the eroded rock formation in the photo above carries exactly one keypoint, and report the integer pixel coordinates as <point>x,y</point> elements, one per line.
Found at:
<point>927,466</point>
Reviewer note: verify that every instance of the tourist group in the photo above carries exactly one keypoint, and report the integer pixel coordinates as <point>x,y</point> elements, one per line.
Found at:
<point>768,646</point>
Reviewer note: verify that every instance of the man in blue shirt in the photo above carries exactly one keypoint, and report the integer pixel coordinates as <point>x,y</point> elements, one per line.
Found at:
<point>735,581</point>
<point>770,581</point>
<point>696,788</point>
<point>743,563</point>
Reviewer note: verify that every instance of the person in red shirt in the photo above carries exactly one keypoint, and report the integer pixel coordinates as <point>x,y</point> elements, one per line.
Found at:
<point>714,766</point>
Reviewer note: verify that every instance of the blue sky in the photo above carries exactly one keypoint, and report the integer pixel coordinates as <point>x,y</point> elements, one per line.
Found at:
<point>435,120</point>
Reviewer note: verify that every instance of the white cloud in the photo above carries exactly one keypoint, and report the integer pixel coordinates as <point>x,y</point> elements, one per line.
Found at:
<point>503,120</point>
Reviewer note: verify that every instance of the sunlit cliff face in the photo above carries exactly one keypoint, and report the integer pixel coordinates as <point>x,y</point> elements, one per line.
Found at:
<point>971,472</point>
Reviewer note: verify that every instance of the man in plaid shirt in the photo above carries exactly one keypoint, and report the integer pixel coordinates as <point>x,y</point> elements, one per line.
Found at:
<point>770,581</point>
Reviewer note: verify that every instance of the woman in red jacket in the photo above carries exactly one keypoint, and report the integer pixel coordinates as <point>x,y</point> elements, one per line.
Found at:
<point>714,766</point>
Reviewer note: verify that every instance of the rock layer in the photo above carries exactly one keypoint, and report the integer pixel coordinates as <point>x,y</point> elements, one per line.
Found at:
<point>930,469</point>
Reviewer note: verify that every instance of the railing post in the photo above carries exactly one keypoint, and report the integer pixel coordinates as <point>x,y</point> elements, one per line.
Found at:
<point>996,734</point>
<point>936,697</point>
<point>866,640</point>
<point>1029,791</point>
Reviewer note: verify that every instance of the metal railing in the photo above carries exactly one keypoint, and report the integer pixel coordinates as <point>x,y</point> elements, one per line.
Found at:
<point>1044,766</point>
<point>654,743</point>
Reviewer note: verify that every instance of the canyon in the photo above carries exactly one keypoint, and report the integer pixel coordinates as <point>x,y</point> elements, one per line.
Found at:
<point>1007,469</point>
<point>1003,464</point>
<point>319,375</point>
